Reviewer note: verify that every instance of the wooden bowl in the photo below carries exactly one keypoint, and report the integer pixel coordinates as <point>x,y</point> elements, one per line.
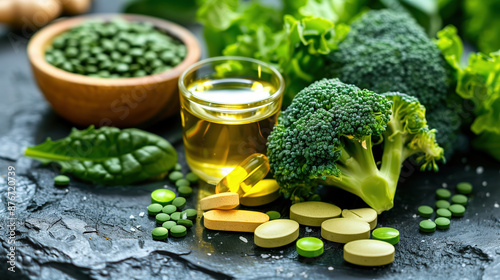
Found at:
<point>125,102</point>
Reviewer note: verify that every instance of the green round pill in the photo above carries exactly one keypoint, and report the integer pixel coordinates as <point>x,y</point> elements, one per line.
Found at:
<point>169,209</point>
<point>427,226</point>
<point>309,247</point>
<point>191,177</point>
<point>442,223</point>
<point>160,233</point>
<point>459,199</point>
<point>185,222</point>
<point>457,210</point>
<point>273,215</point>
<point>179,202</point>
<point>182,182</point>
<point>464,187</point>
<point>162,196</point>
<point>443,212</point>
<point>425,211</point>
<point>178,231</point>
<point>175,175</point>
<point>162,217</point>
<point>61,180</point>
<point>442,204</point>
<point>178,166</point>
<point>175,216</point>
<point>185,191</point>
<point>154,209</point>
<point>387,234</point>
<point>190,214</point>
<point>443,193</point>
<point>169,224</point>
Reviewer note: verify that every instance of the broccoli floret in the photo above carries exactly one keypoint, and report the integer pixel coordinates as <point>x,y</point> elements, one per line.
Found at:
<point>327,134</point>
<point>388,51</point>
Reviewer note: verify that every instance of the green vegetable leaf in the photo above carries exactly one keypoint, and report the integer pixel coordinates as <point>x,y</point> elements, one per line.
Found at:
<point>108,155</point>
<point>450,45</point>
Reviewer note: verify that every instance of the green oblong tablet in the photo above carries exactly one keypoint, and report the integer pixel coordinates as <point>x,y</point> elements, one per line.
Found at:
<point>160,233</point>
<point>162,217</point>
<point>442,204</point>
<point>457,210</point>
<point>169,209</point>
<point>185,222</point>
<point>425,211</point>
<point>310,247</point>
<point>427,226</point>
<point>169,224</point>
<point>61,180</point>
<point>178,231</point>
<point>154,209</point>
<point>459,199</point>
<point>273,215</point>
<point>162,196</point>
<point>464,187</point>
<point>189,214</point>
<point>442,212</point>
<point>179,202</point>
<point>175,216</point>
<point>443,193</point>
<point>442,223</point>
<point>182,182</point>
<point>386,234</point>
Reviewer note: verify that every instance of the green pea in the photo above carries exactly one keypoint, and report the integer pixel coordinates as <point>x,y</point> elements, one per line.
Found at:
<point>140,73</point>
<point>427,226</point>
<point>136,52</point>
<point>122,67</point>
<point>91,69</point>
<point>61,180</point>
<point>71,52</point>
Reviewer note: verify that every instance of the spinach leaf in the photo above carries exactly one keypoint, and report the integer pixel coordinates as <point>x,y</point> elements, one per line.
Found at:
<point>108,155</point>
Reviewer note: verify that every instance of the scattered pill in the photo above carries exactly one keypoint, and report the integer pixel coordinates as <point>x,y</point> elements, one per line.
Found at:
<point>179,202</point>
<point>276,233</point>
<point>182,182</point>
<point>442,223</point>
<point>192,178</point>
<point>427,226</point>
<point>223,201</point>
<point>185,222</point>
<point>185,191</point>
<point>442,204</point>
<point>234,220</point>
<point>464,187</point>
<point>189,214</point>
<point>386,234</point>
<point>162,196</point>
<point>457,210</point>
<point>310,247</point>
<point>313,213</point>
<point>178,167</point>
<point>443,194</point>
<point>443,212</point>
<point>459,199</point>
<point>160,233</point>
<point>175,175</point>
<point>273,215</point>
<point>154,209</point>
<point>175,216</point>
<point>169,224</point>
<point>245,175</point>
<point>343,230</point>
<point>61,180</point>
<point>169,209</point>
<point>264,192</point>
<point>369,252</point>
<point>178,231</point>
<point>425,211</point>
<point>365,214</point>
<point>162,217</point>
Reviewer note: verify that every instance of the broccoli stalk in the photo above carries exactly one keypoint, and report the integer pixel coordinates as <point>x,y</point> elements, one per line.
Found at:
<point>352,119</point>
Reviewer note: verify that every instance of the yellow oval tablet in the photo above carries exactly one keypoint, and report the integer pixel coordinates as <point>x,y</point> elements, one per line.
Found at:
<point>313,213</point>
<point>365,214</point>
<point>264,192</point>
<point>343,230</point>
<point>369,252</point>
<point>276,233</point>
<point>222,201</point>
<point>234,220</point>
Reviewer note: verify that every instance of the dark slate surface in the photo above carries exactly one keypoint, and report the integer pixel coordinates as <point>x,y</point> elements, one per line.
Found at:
<point>87,232</point>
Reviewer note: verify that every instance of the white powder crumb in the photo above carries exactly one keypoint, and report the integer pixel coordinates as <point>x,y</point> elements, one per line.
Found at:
<point>67,190</point>
<point>265,256</point>
<point>210,237</point>
<point>414,216</point>
<point>484,183</point>
<point>496,205</point>
<point>132,217</point>
<point>479,170</point>
<point>308,229</point>
<point>84,198</point>
<point>279,270</point>
<point>331,268</point>
<point>141,214</point>
<point>289,274</point>
<point>138,226</point>
<point>406,207</point>
<point>209,254</point>
<point>243,239</point>
<point>281,252</point>
<point>463,265</point>
<point>423,240</point>
<point>487,194</point>
<point>445,185</point>
<point>132,229</point>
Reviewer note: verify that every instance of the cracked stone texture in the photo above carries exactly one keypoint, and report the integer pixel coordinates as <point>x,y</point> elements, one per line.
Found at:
<point>84,231</point>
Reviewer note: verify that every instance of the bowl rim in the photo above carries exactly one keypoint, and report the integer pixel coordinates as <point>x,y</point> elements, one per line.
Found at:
<point>41,39</point>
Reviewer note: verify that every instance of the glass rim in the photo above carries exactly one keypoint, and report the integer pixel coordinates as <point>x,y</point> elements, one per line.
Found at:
<point>195,66</point>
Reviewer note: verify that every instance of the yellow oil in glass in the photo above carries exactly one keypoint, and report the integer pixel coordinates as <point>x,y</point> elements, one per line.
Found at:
<point>218,138</point>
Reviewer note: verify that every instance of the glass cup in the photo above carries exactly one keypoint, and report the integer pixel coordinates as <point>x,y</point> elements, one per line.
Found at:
<point>229,106</point>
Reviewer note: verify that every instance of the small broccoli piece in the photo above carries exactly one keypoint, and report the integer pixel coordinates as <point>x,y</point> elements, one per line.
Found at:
<point>327,134</point>
<point>388,51</point>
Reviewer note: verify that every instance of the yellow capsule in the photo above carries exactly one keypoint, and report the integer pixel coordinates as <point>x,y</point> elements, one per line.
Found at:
<point>245,175</point>
<point>264,192</point>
